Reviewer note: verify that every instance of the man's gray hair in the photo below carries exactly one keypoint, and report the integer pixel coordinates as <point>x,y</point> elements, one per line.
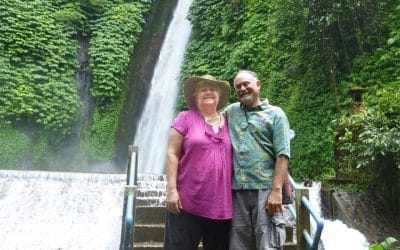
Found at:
<point>251,73</point>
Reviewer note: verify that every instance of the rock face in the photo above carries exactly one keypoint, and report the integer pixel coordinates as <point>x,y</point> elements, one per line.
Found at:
<point>367,212</point>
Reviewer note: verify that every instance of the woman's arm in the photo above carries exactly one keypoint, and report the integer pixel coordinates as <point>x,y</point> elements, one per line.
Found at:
<point>175,142</point>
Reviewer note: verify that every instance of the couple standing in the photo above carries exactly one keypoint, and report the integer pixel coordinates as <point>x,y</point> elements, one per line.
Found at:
<point>228,208</point>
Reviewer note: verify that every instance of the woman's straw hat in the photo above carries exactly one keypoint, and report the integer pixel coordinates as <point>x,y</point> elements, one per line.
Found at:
<point>192,83</point>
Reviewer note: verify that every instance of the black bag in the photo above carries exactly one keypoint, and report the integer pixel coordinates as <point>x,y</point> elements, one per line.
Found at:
<point>287,193</point>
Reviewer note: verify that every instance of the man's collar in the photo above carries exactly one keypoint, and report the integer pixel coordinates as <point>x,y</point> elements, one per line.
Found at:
<point>263,105</point>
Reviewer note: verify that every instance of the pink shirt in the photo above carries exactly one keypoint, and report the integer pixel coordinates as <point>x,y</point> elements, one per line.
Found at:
<point>205,167</point>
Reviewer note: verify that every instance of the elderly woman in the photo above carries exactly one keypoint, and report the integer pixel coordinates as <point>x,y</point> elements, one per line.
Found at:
<point>199,170</point>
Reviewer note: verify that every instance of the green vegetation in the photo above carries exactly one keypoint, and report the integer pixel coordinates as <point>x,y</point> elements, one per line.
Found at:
<point>13,146</point>
<point>308,54</point>
<point>388,244</point>
<point>38,97</point>
<point>114,37</point>
<point>37,67</point>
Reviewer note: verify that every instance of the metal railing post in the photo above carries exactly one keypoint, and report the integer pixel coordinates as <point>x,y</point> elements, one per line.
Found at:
<point>128,219</point>
<point>312,243</point>
<point>302,218</point>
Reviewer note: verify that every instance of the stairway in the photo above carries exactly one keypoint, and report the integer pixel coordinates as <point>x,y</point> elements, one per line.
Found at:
<point>150,215</point>
<point>149,228</point>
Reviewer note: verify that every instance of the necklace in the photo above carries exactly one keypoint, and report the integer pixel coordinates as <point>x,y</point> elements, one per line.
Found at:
<point>212,118</point>
<point>215,121</point>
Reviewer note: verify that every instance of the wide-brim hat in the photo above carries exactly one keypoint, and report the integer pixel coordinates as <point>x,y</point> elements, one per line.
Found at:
<point>192,83</point>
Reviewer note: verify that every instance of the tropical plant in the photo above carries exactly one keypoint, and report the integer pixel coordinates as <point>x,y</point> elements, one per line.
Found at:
<point>389,243</point>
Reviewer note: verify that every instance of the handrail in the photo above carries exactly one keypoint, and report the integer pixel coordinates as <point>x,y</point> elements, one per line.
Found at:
<point>291,207</point>
<point>129,201</point>
<point>292,182</point>
<point>292,210</point>
<point>304,208</point>
<point>312,244</point>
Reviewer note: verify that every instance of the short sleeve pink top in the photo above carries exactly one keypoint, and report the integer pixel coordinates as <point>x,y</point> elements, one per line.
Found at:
<point>204,180</point>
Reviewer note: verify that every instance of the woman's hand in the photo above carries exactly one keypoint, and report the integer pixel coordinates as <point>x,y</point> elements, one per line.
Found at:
<point>173,201</point>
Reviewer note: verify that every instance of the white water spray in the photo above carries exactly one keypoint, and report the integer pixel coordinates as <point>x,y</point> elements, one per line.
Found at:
<point>56,210</point>
<point>152,132</point>
<point>336,235</point>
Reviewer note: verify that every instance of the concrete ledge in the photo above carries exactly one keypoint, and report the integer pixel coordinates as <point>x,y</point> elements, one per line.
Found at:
<point>290,246</point>
<point>148,246</point>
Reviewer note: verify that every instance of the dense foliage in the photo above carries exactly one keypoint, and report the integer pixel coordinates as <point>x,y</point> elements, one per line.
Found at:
<point>39,101</point>
<point>308,54</point>
<point>37,67</point>
<point>368,144</point>
<point>114,36</point>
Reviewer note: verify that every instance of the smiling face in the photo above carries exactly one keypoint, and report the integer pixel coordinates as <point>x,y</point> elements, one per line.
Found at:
<point>207,94</point>
<point>247,88</point>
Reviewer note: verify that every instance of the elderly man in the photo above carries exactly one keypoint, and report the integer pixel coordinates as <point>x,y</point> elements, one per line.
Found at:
<point>261,149</point>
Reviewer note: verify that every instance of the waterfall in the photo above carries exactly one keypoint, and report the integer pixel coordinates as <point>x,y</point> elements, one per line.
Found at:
<point>152,132</point>
<point>336,234</point>
<point>59,210</point>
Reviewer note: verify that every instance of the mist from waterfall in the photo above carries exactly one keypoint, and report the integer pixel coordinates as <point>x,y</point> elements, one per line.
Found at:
<point>152,132</point>
<point>335,235</point>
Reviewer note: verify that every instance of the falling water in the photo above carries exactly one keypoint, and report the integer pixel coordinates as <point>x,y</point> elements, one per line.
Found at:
<point>152,132</point>
<point>56,210</point>
<point>336,235</point>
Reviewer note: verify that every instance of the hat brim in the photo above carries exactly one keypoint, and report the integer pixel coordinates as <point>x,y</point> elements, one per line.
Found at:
<point>191,85</point>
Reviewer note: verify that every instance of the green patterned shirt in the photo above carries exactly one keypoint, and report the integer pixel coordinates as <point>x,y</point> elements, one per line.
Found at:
<point>258,135</point>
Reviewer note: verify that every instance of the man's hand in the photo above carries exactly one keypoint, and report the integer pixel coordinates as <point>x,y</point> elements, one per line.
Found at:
<point>173,201</point>
<point>274,201</point>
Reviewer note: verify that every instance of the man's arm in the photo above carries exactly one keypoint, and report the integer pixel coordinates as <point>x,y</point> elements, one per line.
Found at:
<point>274,201</point>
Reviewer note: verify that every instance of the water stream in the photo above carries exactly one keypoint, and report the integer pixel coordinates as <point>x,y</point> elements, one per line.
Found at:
<point>59,210</point>
<point>336,235</point>
<point>152,132</point>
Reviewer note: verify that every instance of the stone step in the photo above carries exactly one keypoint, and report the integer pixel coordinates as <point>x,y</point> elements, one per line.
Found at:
<point>150,215</point>
<point>155,246</point>
<point>155,193</point>
<point>149,224</point>
<point>290,246</point>
<point>159,246</point>
<point>150,201</point>
<point>154,233</point>
<point>156,215</point>
<point>148,233</point>
<point>148,246</point>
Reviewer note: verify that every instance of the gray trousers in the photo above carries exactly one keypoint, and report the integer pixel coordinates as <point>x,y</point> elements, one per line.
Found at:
<point>252,228</point>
